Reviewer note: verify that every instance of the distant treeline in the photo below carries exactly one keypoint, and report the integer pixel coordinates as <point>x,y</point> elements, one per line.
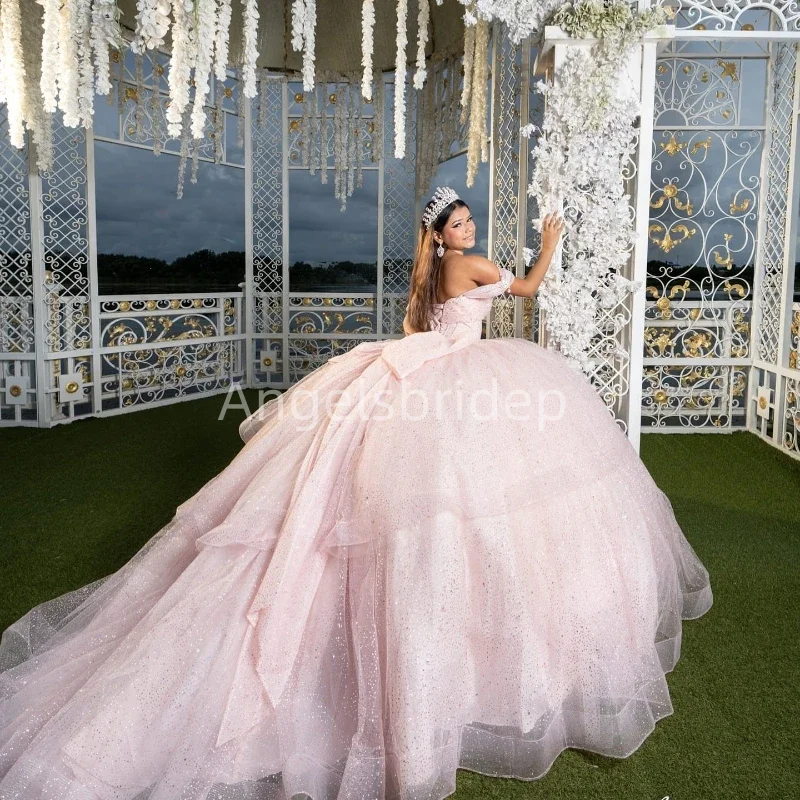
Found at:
<point>339,273</point>
<point>218,272</point>
<point>202,270</point>
<point>205,270</point>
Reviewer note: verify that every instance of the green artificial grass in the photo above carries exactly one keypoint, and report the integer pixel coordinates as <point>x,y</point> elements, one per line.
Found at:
<point>79,500</point>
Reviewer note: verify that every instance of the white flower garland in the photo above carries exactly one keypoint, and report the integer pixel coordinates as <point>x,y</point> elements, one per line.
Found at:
<point>304,24</point>
<point>521,17</point>
<point>367,46</point>
<point>423,19</point>
<point>469,59</point>
<point>587,141</point>
<point>50,46</point>
<point>477,138</point>
<point>206,29</point>
<point>38,121</point>
<point>578,167</point>
<point>298,24</point>
<point>86,89</point>
<point>400,81</point>
<point>152,24</point>
<point>250,18</point>
<point>2,59</point>
<point>104,33</point>
<point>14,70</point>
<point>68,71</point>
<point>50,62</point>
<point>184,50</point>
<point>221,40</point>
<point>474,96</point>
<point>309,54</point>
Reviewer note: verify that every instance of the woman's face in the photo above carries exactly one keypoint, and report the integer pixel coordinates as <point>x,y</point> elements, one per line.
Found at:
<point>459,231</point>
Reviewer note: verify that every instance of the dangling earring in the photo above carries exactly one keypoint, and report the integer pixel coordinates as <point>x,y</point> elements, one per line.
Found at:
<point>440,250</point>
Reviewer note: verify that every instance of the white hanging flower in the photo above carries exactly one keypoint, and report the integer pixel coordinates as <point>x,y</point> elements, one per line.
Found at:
<point>250,56</point>
<point>304,24</point>
<point>423,19</point>
<point>152,25</point>
<point>298,24</point>
<point>104,33</point>
<point>86,89</point>
<point>48,82</point>
<point>476,145</point>
<point>521,17</point>
<point>400,81</point>
<point>221,40</point>
<point>68,70</point>
<point>469,60</point>
<point>206,31</point>
<point>587,136</point>
<point>367,46</point>
<point>309,41</point>
<point>13,70</point>
<point>38,121</point>
<point>184,49</point>
<point>2,58</point>
<point>585,146</point>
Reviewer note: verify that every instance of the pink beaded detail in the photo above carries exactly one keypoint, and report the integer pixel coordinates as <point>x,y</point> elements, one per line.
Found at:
<point>464,313</point>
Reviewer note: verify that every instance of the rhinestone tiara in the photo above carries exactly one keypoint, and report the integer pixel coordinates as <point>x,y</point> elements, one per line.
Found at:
<point>442,198</point>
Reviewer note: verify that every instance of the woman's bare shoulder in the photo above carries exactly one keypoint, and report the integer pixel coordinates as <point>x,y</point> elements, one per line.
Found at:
<point>478,268</point>
<point>464,272</point>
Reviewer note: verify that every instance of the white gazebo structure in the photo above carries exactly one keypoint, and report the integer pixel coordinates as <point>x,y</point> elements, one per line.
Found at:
<point>708,344</point>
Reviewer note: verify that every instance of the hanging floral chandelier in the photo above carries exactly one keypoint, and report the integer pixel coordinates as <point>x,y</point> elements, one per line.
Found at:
<point>54,56</point>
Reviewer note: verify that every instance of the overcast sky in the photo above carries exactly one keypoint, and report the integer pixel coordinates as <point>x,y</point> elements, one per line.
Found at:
<point>138,212</point>
<point>144,217</point>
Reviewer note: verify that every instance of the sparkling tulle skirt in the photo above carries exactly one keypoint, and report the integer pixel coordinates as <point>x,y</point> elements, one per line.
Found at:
<point>369,597</point>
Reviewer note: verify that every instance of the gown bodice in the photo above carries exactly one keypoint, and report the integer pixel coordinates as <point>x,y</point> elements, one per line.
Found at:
<point>463,314</point>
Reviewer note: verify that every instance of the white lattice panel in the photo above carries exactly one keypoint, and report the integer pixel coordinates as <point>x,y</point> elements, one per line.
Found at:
<point>18,404</point>
<point>267,163</point>
<point>507,86</point>
<point>65,238</point>
<point>399,217</point>
<point>267,168</point>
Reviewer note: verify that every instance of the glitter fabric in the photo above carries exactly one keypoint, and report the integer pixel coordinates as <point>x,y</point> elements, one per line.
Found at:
<point>406,570</point>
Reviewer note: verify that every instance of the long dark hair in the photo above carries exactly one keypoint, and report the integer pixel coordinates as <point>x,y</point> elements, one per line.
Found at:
<point>427,269</point>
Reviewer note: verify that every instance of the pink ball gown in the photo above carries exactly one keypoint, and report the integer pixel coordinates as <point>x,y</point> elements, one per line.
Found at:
<point>370,597</point>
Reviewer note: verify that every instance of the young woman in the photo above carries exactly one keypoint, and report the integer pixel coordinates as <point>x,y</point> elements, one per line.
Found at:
<point>441,269</point>
<point>433,552</point>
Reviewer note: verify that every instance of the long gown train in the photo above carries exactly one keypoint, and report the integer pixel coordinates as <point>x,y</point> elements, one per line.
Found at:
<point>393,579</point>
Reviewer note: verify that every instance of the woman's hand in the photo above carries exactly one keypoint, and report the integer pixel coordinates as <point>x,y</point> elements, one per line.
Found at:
<point>552,228</point>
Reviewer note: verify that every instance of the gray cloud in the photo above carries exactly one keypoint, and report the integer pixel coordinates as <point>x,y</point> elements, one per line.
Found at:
<point>319,231</point>
<point>144,217</point>
<point>138,212</point>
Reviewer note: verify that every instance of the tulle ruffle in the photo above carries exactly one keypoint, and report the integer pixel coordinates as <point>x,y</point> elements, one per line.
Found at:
<point>361,604</point>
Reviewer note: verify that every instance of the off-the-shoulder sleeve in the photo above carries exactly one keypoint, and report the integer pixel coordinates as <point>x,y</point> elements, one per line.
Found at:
<point>494,289</point>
